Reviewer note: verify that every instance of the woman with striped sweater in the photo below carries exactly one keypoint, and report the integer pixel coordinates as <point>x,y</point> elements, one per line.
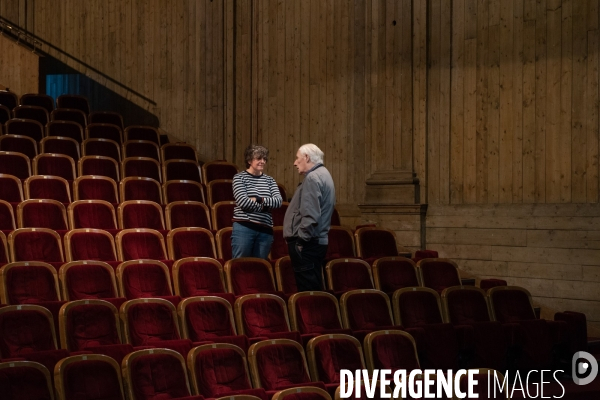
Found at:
<point>256,194</point>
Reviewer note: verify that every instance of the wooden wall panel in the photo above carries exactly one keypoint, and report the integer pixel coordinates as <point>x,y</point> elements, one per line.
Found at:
<point>19,67</point>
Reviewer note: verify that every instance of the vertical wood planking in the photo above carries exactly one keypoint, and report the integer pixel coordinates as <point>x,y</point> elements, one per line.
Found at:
<point>507,79</point>
<point>540,102</point>
<point>578,107</point>
<point>445,87</point>
<point>471,109</point>
<point>593,82</point>
<point>433,99</point>
<point>517,101</point>
<point>566,92</point>
<point>458,101</point>
<point>493,100</point>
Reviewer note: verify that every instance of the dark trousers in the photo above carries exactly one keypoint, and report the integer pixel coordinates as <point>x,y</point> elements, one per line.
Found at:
<point>308,264</point>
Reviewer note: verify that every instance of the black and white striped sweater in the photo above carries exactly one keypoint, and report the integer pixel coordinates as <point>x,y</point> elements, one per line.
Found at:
<point>246,185</point>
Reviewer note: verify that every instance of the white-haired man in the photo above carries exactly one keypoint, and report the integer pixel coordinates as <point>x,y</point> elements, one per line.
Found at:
<point>308,218</point>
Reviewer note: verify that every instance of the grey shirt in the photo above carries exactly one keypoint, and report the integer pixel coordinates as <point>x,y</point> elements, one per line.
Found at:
<point>309,214</point>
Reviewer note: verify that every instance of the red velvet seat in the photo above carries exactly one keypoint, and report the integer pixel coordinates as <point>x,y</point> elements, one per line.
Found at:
<point>15,164</point>
<point>142,132</point>
<point>29,283</point>
<point>9,99</point>
<point>249,275</point>
<point>393,273</point>
<point>181,214</point>
<point>391,349</point>
<point>178,151</point>
<point>19,144</point>
<point>209,319</point>
<point>141,368</point>
<point>61,145</point>
<point>365,311</point>
<point>7,217</point>
<point>223,242</point>
<point>11,188</point>
<point>141,148</point>
<point>36,244</point>
<point>348,274</point>
<point>221,370</point>
<point>3,250</point>
<point>341,243</point>
<point>104,131</point>
<point>279,248</point>
<point>279,213</point>
<point>222,214</point>
<point>101,147</point>
<point>5,115</point>
<point>38,213</point>
<point>285,277</point>
<point>144,279</point>
<point>190,242</point>
<point>99,165</point>
<point>153,322</point>
<point>183,190</point>
<point>106,117</point>
<point>278,364</point>
<point>218,170</point>
<point>27,124</point>
<point>140,188</point>
<point>219,190</point>
<point>199,276</point>
<point>89,377</point>
<point>181,170</point>
<point>328,354</point>
<point>25,380</point>
<point>73,101</point>
<point>69,129</point>
<point>89,280</point>
<point>302,393</point>
<point>315,313</point>
<point>265,315</point>
<point>94,214</point>
<point>38,99</point>
<point>373,243</point>
<point>48,187</point>
<point>95,187</point>
<point>438,273</point>
<point>91,245</point>
<point>141,166</point>
<point>92,325</point>
<point>136,244</point>
<point>140,214</point>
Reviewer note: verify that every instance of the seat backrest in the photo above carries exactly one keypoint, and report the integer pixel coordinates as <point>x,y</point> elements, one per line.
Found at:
<point>141,368</point>
<point>140,188</point>
<point>415,307</point>
<point>198,276</point>
<point>25,380</point>
<point>438,273</point>
<point>95,187</point>
<point>366,309</point>
<point>142,132</point>
<point>7,216</point>
<point>9,99</point>
<point>190,242</point>
<point>15,164</point>
<point>178,151</point>
<point>69,114</point>
<point>373,243</point>
<point>29,282</point>
<point>218,369</point>
<point>38,99</point>
<point>87,280</point>
<point>42,213</point>
<point>34,113</point>
<point>277,364</point>
<point>284,275</point>
<point>279,248</point>
<point>104,131</point>
<point>73,101</point>
<point>328,354</point>
<point>510,304</point>
<point>249,275</point>
<point>48,187</point>
<point>89,244</point>
<point>220,190</point>
<point>106,117</point>
<point>99,165</point>
<point>259,314</point>
<point>465,305</point>
<point>147,322</point>
<point>279,213</point>
<point>11,189</point>
<point>20,144</point>
<point>187,214</point>
<point>4,254</point>
<point>95,214</point>
<point>223,242</point>
<point>346,274</point>
<point>183,190</point>
<point>61,145</point>
<point>181,169</point>
<point>314,312</point>
<point>391,349</point>
<point>26,329</point>
<point>35,244</point>
<point>27,124</point>
<point>302,393</point>
<point>88,323</point>
<point>140,243</point>
<point>222,214</point>
<point>5,115</point>
<point>205,318</point>
<point>94,376</point>
<point>101,147</point>
<point>341,243</point>
<point>140,214</point>
<point>393,273</point>
<point>143,278</point>
<point>68,129</point>
<point>141,148</point>
<point>141,166</point>
<point>218,170</point>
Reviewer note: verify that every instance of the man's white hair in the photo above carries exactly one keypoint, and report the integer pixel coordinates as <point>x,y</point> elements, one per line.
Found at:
<point>313,152</point>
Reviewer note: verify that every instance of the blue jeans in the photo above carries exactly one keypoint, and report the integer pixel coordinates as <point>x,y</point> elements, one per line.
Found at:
<point>246,242</point>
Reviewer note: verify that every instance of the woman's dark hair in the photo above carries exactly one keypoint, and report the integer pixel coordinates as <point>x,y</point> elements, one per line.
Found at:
<point>255,152</point>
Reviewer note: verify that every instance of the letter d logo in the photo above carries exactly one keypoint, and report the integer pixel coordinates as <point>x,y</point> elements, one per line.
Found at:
<point>584,368</point>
